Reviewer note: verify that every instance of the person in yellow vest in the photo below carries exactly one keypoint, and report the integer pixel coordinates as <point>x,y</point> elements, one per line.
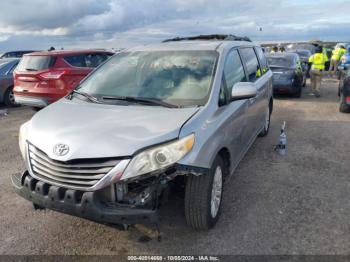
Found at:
<point>317,61</point>
<point>337,54</point>
<point>274,50</point>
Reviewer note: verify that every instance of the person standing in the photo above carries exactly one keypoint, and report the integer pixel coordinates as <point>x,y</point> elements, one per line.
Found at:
<point>337,54</point>
<point>274,50</point>
<point>317,61</point>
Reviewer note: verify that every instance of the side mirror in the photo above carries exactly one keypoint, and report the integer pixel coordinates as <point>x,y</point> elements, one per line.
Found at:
<point>243,90</point>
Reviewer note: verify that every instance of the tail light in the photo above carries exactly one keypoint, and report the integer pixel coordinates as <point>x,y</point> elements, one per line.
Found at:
<point>53,75</point>
<point>347,99</point>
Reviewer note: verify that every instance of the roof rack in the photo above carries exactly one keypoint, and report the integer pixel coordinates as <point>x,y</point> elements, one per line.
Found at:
<point>210,37</point>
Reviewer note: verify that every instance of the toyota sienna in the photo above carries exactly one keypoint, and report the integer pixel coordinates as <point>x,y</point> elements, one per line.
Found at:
<point>185,110</point>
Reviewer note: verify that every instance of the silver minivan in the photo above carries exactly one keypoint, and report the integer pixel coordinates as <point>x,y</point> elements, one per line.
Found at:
<point>184,111</point>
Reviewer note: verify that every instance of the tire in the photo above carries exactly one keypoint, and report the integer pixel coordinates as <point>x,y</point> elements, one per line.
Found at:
<point>340,87</point>
<point>200,209</point>
<point>265,131</point>
<point>9,99</point>
<point>298,93</point>
<point>343,108</point>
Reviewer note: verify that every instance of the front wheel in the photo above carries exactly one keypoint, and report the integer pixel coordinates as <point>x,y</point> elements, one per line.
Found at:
<point>203,197</point>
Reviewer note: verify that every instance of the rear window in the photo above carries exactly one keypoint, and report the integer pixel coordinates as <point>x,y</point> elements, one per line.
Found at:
<point>86,60</point>
<point>35,63</point>
<point>280,62</point>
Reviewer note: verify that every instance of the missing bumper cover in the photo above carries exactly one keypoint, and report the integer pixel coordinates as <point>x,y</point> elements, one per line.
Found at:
<point>82,204</point>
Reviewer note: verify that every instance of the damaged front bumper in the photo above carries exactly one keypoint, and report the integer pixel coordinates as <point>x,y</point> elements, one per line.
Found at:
<point>89,205</point>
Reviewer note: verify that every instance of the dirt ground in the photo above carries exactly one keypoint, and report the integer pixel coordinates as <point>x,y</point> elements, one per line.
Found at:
<point>296,204</point>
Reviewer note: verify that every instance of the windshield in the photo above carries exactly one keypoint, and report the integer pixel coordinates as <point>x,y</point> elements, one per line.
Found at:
<point>280,62</point>
<point>181,78</point>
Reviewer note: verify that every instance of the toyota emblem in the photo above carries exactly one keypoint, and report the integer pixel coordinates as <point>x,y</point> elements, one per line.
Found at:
<point>61,149</point>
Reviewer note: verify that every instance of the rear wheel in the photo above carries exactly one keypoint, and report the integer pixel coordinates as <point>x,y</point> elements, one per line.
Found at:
<point>304,83</point>
<point>203,197</point>
<point>344,108</point>
<point>298,93</point>
<point>9,98</point>
<point>266,128</point>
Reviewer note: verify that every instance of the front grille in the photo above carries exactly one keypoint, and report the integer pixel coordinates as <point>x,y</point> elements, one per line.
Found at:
<point>82,173</point>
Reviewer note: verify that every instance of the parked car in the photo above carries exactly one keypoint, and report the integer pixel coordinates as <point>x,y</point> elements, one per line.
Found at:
<point>302,46</point>
<point>304,55</point>
<point>6,81</point>
<point>15,54</point>
<point>345,61</point>
<point>346,45</point>
<point>42,78</point>
<point>186,110</point>
<point>344,92</point>
<point>288,75</point>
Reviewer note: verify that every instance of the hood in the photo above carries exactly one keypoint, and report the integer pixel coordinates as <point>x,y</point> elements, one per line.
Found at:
<point>97,130</point>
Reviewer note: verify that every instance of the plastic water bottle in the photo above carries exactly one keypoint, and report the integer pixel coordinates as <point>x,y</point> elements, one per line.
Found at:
<point>282,145</point>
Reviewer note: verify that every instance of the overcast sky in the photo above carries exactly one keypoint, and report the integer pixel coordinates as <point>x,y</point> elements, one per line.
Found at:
<point>39,24</point>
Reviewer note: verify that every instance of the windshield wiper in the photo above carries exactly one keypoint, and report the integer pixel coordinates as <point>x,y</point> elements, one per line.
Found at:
<point>141,100</point>
<point>89,97</point>
<point>31,69</point>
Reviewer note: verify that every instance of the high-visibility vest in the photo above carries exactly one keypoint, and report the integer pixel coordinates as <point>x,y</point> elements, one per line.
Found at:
<point>338,53</point>
<point>318,61</point>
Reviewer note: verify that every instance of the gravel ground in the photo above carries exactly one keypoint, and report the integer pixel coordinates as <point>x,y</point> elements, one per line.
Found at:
<point>297,204</point>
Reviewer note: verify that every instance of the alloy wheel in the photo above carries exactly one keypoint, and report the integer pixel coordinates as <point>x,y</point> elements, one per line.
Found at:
<point>216,192</point>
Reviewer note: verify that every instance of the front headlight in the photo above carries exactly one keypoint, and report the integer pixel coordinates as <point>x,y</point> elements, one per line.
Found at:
<point>23,137</point>
<point>158,157</point>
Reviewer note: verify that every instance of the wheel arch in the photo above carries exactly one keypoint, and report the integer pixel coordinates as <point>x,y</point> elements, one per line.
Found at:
<point>224,153</point>
<point>271,104</point>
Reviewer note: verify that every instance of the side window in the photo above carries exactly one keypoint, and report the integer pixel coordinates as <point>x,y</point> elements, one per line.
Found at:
<point>223,94</point>
<point>251,62</point>
<point>262,59</point>
<point>94,60</point>
<point>233,70</point>
<point>76,60</point>
<point>233,73</point>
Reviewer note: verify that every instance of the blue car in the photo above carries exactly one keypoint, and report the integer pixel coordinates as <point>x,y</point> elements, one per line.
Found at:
<point>6,81</point>
<point>344,91</point>
<point>289,77</point>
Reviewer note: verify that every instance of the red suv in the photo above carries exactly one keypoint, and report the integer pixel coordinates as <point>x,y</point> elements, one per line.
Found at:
<point>42,78</point>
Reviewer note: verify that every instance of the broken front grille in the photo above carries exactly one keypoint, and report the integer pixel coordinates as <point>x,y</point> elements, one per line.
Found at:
<point>83,173</point>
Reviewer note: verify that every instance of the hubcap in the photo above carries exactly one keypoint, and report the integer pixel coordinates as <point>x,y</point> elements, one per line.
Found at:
<point>12,98</point>
<point>216,192</point>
